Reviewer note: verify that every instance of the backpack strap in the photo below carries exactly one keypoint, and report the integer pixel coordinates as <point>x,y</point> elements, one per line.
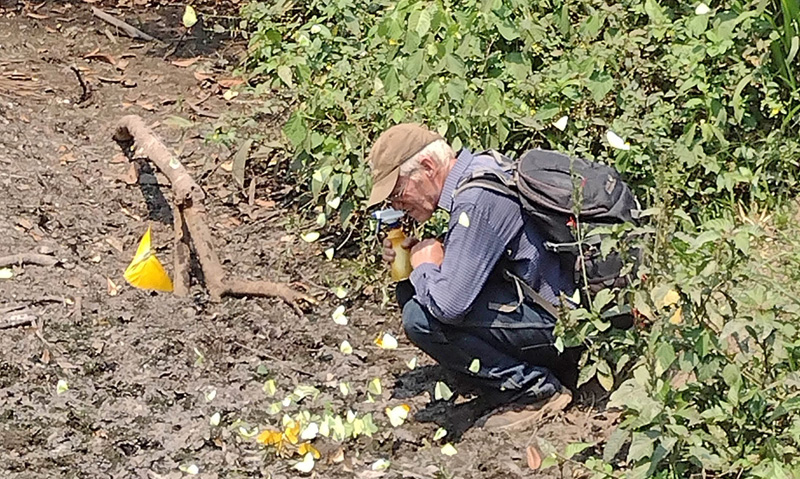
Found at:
<point>531,293</point>
<point>490,180</point>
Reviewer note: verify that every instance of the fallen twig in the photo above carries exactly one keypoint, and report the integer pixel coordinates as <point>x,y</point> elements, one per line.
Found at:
<point>200,111</point>
<point>87,93</point>
<point>189,197</point>
<point>17,319</point>
<point>27,258</point>
<point>130,30</point>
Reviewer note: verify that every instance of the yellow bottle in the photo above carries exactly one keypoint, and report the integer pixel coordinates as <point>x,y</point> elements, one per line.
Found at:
<point>401,266</point>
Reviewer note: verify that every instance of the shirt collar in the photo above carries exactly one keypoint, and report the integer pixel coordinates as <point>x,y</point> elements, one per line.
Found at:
<point>453,178</point>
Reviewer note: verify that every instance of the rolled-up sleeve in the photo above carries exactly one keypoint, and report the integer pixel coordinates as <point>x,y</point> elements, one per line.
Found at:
<point>474,244</point>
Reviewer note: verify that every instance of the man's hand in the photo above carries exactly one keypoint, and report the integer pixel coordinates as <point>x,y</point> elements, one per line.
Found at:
<point>427,251</point>
<point>388,252</point>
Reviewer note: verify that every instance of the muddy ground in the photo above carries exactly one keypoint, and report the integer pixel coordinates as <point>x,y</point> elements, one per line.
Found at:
<point>141,366</point>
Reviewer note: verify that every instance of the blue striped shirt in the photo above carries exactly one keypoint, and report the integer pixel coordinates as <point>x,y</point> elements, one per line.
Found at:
<point>487,233</point>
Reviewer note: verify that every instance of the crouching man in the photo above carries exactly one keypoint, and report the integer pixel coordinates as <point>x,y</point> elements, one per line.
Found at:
<point>463,311</point>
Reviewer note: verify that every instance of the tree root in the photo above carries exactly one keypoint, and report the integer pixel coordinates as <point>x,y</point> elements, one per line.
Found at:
<point>191,225</point>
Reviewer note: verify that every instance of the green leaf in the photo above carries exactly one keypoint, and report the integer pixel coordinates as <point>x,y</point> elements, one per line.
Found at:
<point>508,29</point>
<point>423,23</point>
<point>641,446</point>
<point>295,129</point>
<point>285,74</point>
<point>414,63</point>
<point>655,12</point>
<point>547,112</point>
<point>665,356</point>
<point>455,88</point>
<point>576,448</point>
<point>599,84</point>
<point>601,299</point>
<point>455,65</point>
<point>614,444</point>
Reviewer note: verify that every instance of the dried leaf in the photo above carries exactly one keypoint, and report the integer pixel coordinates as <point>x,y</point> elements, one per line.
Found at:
<point>202,76</point>
<point>239,161</point>
<point>113,289</point>
<point>229,82</point>
<point>186,62</point>
<point>533,456</point>
<point>95,55</point>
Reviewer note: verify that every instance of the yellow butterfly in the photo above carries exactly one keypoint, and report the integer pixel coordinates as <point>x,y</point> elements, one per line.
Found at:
<point>146,271</point>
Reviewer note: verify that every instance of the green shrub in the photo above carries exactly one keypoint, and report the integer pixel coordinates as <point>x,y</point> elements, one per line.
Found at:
<point>708,103</point>
<point>698,96</point>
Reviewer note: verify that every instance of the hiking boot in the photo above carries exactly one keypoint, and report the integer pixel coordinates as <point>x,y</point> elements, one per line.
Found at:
<point>517,417</point>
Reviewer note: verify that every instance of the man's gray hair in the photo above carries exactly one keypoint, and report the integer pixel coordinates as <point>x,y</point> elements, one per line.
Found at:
<point>439,150</point>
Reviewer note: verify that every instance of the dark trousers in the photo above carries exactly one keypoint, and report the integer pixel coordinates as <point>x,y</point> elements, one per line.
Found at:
<point>515,351</point>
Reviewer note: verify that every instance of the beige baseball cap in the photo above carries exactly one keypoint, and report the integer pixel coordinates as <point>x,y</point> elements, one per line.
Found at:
<point>392,149</point>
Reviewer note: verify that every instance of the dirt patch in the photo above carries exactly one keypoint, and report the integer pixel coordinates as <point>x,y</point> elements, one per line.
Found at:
<point>146,371</point>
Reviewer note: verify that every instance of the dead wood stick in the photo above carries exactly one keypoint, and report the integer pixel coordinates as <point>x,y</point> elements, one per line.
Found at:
<point>29,258</point>
<point>86,92</point>
<point>17,319</point>
<point>200,112</point>
<point>130,30</point>
<point>188,197</point>
<point>182,254</point>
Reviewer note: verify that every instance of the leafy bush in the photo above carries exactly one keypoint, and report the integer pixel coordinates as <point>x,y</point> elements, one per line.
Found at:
<point>699,95</point>
<point>707,99</point>
<point>712,384</point>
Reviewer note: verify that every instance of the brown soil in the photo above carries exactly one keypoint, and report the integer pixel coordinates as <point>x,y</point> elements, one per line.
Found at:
<point>140,365</point>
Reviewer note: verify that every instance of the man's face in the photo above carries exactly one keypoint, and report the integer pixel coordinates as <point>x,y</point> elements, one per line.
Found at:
<point>418,193</point>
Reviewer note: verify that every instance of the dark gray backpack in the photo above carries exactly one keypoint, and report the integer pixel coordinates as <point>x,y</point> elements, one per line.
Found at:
<point>545,183</point>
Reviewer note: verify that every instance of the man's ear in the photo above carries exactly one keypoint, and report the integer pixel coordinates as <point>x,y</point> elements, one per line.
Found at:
<point>429,165</point>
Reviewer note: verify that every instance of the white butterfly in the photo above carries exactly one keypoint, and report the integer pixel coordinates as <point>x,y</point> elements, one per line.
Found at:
<point>616,142</point>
